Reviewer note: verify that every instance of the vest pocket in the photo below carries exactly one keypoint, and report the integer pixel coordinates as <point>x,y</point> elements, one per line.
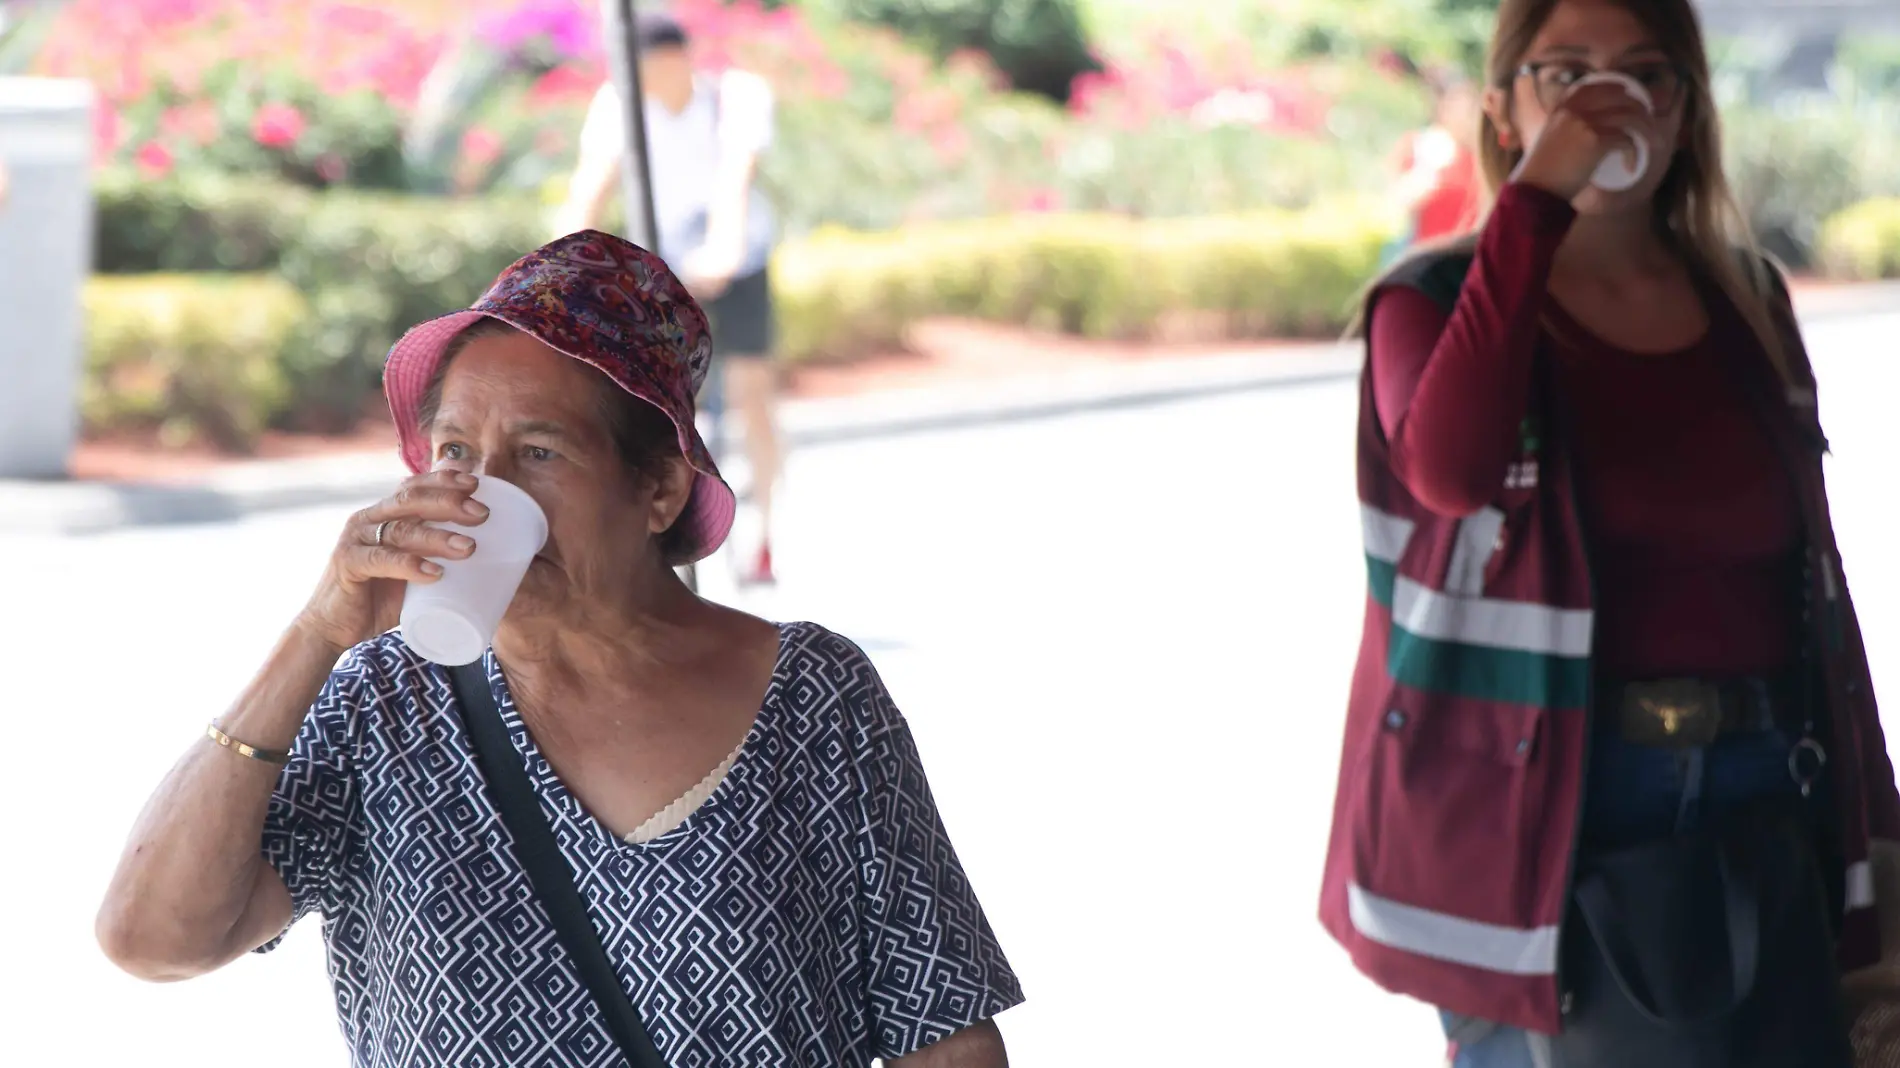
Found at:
<point>1455,814</point>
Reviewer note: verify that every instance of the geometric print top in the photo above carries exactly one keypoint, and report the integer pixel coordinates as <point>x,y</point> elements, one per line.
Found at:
<point>811,912</point>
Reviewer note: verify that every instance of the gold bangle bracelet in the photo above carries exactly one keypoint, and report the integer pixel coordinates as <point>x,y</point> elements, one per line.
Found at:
<point>279,757</point>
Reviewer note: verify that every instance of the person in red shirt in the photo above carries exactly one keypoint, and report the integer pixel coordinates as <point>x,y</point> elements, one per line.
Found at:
<point>1642,315</point>
<point>1440,188</point>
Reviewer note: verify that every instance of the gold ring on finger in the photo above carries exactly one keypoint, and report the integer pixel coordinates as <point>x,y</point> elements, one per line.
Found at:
<point>382,528</point>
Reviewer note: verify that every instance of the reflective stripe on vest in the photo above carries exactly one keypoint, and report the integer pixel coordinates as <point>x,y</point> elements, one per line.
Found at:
<point>1510,950</point>
<point>1472,646</point>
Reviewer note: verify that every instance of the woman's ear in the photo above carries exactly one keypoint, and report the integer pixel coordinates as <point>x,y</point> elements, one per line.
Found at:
<point>1497,108</point>
<point>672,490</point>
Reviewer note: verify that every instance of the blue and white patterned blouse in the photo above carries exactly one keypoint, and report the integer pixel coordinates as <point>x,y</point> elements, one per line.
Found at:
<point>812,912</point>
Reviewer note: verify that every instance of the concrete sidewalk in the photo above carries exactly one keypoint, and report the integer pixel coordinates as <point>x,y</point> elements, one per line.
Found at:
<point>241,489</point>
<point>244,488</point>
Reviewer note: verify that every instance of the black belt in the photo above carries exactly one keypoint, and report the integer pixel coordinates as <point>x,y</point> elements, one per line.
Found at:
<point>1687,713</point>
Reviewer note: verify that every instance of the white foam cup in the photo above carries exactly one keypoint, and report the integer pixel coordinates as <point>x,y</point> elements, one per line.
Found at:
<point>1621,171</point>
<point>452,621</point>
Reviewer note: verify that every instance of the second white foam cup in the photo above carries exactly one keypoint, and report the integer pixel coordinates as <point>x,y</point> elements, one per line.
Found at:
<point>452,621</point>
<point>1620,171</point>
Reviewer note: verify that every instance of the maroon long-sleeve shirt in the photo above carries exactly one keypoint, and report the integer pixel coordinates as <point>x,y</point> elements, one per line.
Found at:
<point>1693,519</point>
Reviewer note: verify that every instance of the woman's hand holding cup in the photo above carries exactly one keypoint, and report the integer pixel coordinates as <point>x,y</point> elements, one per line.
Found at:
<point>1600,117</point>
<point>385,547</point>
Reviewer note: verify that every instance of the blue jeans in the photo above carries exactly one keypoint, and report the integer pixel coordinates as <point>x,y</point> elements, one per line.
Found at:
<point>1639,793</point>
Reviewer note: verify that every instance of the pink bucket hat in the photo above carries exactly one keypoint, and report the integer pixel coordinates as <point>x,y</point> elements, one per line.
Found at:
<point>611,305</point>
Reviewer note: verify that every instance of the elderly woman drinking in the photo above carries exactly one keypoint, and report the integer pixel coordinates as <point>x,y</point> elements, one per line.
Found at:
<point>734,810</point>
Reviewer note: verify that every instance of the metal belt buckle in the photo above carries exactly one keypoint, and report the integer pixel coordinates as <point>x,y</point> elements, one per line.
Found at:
<point>1674,713</point>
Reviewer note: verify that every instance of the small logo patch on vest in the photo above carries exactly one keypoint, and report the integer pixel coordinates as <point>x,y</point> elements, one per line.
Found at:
<point>1522,474</point>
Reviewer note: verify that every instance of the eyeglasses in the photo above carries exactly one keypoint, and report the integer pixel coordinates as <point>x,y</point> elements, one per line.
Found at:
<point>1554,80</point>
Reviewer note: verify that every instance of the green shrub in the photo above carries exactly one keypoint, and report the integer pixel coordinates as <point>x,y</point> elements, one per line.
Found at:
<point>1039,44</point>
<point>1862,242</point>
<point>841,295</point>
<point>194,357</point>
<point>1794,167</point>
<point>373,266</point>
<point>192,221</point>
<point>219,357</point>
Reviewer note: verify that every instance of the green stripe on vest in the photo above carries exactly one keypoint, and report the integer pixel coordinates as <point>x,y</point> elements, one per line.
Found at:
<point>1477,672</point>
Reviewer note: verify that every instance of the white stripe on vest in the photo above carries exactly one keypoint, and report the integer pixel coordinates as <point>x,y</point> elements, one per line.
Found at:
<point>1386,535</point>
<point>1516,625</point>
<point>1510,950</point>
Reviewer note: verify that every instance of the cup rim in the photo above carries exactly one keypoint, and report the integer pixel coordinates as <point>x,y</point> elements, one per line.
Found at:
<point>521,496</point>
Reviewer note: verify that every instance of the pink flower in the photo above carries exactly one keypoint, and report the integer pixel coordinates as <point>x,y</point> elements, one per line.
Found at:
<point>561,85</point>
<point>277,125</point>
<point>829,83</point>
<point>1041,200</point>
<point>154,160</point>
<point>1089,89</point>
<point>351,20</point>
<point>481,146</point>
<point>195,122</point>
<point>332,168</point>
<point>107,131</point>
<point>952,144</point>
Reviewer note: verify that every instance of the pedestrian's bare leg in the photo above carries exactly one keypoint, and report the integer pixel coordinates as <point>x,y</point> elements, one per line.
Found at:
<point>752,394</point>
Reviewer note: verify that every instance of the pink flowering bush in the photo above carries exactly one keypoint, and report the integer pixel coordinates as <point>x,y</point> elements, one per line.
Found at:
<point>1178,125</point>
<point>315,90</point>
<point>474,96</point>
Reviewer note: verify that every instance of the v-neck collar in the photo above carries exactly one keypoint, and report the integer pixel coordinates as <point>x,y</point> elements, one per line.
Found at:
<point>555,794</point>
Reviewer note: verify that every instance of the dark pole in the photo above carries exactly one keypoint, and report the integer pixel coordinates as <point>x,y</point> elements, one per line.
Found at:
<point>635,176</point>
<point>636,179</point>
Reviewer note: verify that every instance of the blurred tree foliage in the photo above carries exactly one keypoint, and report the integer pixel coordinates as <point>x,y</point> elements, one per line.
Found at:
<point>24,25</point>
<point>1039,45</point>
<point>1428,33</point>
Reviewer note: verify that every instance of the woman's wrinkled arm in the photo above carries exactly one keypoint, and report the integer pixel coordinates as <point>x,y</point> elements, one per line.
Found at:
<point>977,1046</point>
<point>193,890</point>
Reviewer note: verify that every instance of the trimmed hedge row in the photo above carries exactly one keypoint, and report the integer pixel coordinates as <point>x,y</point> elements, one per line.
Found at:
<point>192,221</point>
<point>373,266</point>
<point>841,295</point>
<point>367,266</point>
<point>306,340</point>
<point>194,357</point>
<point>1862,242</point>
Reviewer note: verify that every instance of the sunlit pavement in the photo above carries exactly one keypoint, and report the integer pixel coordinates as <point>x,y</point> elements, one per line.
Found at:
<point>1123,640</point>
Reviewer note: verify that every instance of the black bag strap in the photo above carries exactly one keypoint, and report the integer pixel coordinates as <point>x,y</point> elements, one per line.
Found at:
<point>548,871</point>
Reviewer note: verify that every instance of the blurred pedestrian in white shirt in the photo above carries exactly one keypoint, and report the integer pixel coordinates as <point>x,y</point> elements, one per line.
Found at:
<point>716,229</point>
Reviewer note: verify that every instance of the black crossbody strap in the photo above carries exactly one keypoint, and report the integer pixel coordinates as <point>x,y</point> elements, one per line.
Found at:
<point>548,871</point>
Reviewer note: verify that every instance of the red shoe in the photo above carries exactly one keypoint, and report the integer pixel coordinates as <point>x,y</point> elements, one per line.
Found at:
<point>761,573</point>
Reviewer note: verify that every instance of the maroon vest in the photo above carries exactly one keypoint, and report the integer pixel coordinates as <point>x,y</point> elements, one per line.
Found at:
<point>1461,780</point>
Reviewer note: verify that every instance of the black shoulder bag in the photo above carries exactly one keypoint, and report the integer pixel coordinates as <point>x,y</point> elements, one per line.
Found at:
<point>1706,950</point>
<point>548,871</point>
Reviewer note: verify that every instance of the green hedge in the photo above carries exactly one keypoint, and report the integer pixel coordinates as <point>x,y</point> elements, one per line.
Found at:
<point>1040,45</point>
<point>200,221</point>
<point>305,344</point>
<point>841,295</point>
<point>1862,242</point>
<point>195,357</point>
<point>365,266</point>
<point>1795,167</point>
<point>373,266</point>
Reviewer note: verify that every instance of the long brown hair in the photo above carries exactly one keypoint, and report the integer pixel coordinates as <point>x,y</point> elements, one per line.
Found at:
<point>1696,212</point>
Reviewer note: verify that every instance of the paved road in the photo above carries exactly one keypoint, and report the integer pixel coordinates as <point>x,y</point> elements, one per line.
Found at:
<point>1123,640</point>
